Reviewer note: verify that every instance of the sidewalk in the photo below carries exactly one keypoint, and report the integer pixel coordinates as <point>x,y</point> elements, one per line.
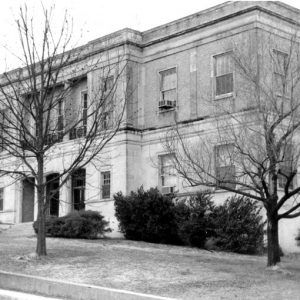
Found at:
<point>11,295</point>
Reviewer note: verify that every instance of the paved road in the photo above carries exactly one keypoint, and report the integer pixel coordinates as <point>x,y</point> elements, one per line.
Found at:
<point>11,295</point>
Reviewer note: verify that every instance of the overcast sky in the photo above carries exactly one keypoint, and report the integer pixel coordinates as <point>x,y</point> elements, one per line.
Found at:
<point>95,18</point>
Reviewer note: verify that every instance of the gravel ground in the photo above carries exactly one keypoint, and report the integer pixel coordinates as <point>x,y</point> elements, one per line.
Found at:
<point>179,272</point>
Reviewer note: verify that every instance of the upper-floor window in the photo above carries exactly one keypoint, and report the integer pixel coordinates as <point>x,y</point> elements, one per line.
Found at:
<point>56,123</point>
<point>84,105</point>
<point>280,72</point>
<point>1,198</point>
<point>80,130</point>
<point>108,102</point>
<point>108,84</point>
<point>286,167</point>
<point>2,130</point>
<point>105,184</point>
<point>225,168</point>
<point>168,174</point>
<point>168,88</point>
<point>223,74</point>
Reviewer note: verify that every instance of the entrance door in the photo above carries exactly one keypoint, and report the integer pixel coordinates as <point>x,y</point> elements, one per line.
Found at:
<point>28,200</point>
<point>52,194</point>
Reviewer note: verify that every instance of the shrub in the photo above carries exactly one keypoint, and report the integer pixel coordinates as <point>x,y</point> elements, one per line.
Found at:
<point>79,224</point>
<point>147,216</point>
<point>238,226</point>
<point>194,219</point>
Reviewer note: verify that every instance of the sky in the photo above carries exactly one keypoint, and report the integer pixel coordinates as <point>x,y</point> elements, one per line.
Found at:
<point>95,18</point>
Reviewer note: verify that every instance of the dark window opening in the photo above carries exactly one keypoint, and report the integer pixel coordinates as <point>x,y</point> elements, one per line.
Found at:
<point>78,189</point>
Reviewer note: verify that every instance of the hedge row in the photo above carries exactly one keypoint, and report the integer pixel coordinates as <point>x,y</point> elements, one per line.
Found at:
<point>150,216</point>
<point>78,224</point>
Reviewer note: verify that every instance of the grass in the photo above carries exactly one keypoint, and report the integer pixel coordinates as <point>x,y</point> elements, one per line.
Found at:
<point>179,272</point>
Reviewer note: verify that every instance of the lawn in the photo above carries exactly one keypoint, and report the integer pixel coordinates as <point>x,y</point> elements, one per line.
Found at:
<point>179,272</point>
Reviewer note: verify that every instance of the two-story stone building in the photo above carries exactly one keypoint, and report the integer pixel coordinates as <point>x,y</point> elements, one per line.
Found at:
<point>179,72</point>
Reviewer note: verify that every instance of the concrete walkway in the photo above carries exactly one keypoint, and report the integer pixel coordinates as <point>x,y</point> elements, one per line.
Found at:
<point>11,295</point>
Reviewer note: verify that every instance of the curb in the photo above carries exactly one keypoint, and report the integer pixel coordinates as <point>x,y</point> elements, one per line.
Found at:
<point>67,290</point>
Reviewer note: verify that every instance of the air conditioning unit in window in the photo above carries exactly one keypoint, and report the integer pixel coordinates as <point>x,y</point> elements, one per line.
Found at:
<point>165,190</point>
<point>165,104</point>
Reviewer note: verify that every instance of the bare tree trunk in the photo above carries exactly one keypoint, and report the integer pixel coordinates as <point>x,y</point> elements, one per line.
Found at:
<point>273,240</point>
<point>41,236</point>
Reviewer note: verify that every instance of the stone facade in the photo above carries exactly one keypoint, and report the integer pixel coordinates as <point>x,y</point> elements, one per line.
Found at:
<point>184,50</point>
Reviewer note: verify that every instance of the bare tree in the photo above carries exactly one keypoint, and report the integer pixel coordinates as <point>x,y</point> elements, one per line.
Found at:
<point>40,117</point>
<point>251,144</point>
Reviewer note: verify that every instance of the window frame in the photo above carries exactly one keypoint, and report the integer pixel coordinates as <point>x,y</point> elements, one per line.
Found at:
<point>276,73</point>
<point>102,174</point>
<point>84,108</point>
<point>1,199</point>
<point>108,101</point>
<point>281,181</point>
<point>161,173</point>
<point>217,165</point>
<point>81,188</point>
<point>160,90</point>
<point>214,77</point>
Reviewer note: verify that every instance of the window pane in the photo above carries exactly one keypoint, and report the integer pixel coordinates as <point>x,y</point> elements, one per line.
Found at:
<point>1,199</point>
<point>168,172</point>
<point>169,95</point>
<point>168,79</point>
<point>224,84</point>
<point>223,64</point>
<point>280,62</point>
<point>224,174</point>
<point>105,185</point>
<point>225,169</point>
<point>286,166</point>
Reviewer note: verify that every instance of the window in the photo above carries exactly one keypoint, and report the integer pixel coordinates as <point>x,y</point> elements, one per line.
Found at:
<point>60,116</point>
<point>1,199</point>
<point>223,74</point>
<point>168,174</point>
<point>78,189</point>
<point>108,84</point>
<point>108,104</point>
<point>225,169</point>
<point>105,178</point>
<point>168,89</point>
<point>280,72</point>
<point>80,131</point>
<point>55,134</point>
<point>84,101</point>
<point>286,167</point>
<point>2,120</point>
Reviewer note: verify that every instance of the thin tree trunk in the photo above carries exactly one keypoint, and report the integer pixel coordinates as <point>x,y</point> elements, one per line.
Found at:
<point>41,236</point>
<point>273,241</point>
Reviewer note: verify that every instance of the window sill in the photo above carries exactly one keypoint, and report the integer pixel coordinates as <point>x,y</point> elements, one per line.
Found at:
<point>224,96</point>
<point>161,111</point>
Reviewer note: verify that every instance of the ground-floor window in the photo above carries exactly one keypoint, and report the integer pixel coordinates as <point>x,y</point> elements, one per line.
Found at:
<point>52,194</point>
<point>1,198</point>
<point>105,179</point>
<point>168,174</point>
<point>78,189</point>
